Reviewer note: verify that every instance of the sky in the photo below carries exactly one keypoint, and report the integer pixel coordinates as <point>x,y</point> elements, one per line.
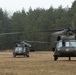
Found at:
<point>16,5</point>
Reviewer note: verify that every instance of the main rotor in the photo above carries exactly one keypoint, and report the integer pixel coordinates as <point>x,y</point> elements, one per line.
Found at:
<point>66,32</point>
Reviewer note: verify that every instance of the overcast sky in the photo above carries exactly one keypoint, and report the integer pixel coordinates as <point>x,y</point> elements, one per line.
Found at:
<point>16,5</point>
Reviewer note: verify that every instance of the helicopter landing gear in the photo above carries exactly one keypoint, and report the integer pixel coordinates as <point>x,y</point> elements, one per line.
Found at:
<point>69,58</point>
<point>27,55</point>
<point>55,57</point>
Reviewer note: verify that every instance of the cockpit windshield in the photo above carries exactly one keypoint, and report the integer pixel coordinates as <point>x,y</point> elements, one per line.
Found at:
<point>18,48</point>
<point>67,44</point>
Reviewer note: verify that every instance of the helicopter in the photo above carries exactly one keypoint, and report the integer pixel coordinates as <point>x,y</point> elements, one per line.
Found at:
<point>65,44</point>
<point>20,47</point>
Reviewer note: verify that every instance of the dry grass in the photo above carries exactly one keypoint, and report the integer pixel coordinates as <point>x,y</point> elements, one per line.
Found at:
<point>39,63</point>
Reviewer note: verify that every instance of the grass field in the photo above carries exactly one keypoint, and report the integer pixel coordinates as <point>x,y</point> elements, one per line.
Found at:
<point>39,63</point>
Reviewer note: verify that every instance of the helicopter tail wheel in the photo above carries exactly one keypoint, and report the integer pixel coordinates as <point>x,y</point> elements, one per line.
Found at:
<point>69,58</point>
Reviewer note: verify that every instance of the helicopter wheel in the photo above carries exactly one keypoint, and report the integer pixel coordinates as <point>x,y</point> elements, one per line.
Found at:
<point>69,58</point>
<point>55,58</point>
<point>27,55</point>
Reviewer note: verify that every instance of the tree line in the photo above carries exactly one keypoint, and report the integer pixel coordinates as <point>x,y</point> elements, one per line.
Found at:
<point>32,21</point>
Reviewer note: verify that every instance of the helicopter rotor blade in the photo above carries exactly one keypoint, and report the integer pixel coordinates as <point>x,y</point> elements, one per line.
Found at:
<point>58,33</point>
<point>72,37</point>
<point>38,41</point>
<point>49,30</point>
<point>11,33</point>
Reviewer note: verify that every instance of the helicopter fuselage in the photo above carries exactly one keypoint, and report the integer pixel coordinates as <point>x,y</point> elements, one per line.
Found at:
<point>65,48</point>
<point>21,49</point>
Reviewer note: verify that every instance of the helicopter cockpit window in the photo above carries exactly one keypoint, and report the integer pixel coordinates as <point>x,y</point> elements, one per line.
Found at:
<point>72,44</point>
<point>18,48</point>
<point>59,45</point>
<point>67,44</point>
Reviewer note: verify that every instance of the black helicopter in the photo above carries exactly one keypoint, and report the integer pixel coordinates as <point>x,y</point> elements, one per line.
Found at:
<point>65,45</point>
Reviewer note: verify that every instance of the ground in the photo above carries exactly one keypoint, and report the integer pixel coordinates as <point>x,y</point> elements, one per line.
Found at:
<point>39,63</point>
